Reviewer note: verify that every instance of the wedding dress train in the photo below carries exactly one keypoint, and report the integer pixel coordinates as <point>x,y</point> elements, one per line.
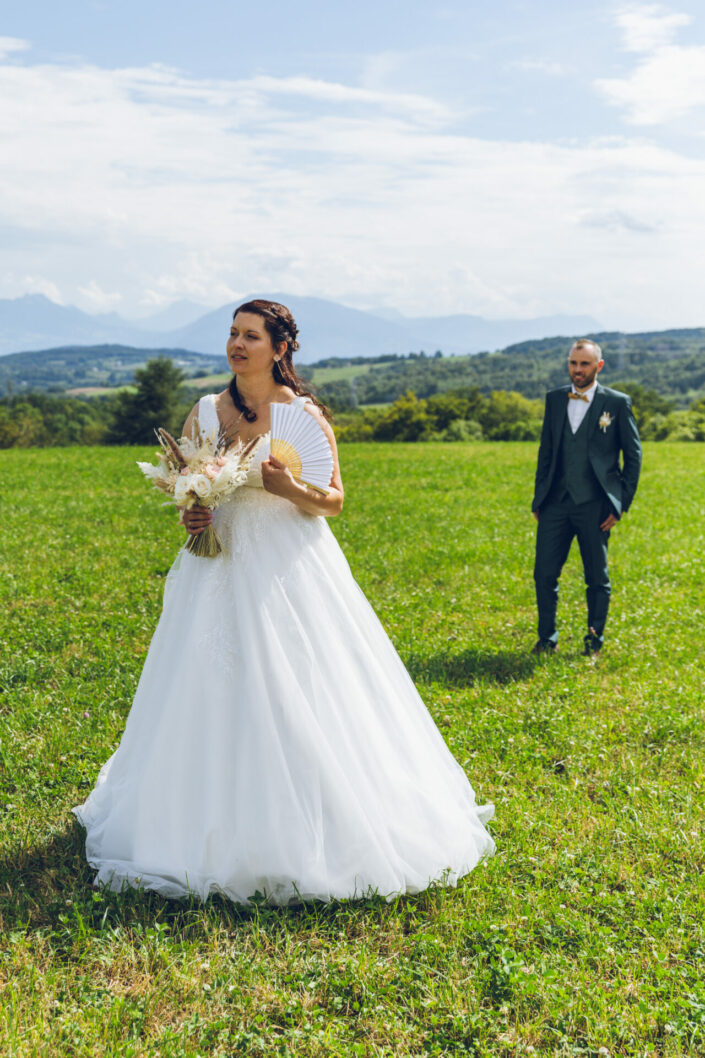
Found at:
<point>276,743</point>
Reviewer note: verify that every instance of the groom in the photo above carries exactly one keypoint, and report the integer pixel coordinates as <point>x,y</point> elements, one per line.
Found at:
<point>581,489</point>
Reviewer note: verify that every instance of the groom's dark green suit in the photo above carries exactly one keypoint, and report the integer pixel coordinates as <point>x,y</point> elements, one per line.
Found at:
<point>579,482</point>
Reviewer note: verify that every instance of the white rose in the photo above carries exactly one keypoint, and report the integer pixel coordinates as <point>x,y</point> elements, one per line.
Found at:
<point>202,486</point>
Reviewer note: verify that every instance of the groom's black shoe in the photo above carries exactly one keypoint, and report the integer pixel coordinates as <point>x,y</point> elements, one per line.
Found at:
<point>545,646</point>
<point>591,648</point>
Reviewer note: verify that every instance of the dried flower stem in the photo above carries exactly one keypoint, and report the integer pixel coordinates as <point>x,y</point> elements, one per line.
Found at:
<point>205,544</point>
<point>168,442</point>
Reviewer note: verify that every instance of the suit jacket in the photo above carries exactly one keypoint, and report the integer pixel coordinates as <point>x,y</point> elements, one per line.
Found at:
<point>618,433</point>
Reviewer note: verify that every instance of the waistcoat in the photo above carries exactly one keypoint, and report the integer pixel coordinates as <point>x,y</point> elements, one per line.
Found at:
<point>574,474</point>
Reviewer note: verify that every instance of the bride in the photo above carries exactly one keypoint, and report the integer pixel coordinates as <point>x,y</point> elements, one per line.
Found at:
<point>276,744</point>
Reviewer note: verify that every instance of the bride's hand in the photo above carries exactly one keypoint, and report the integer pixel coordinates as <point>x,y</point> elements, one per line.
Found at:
<point>276,478</point>
<point>196,519</point>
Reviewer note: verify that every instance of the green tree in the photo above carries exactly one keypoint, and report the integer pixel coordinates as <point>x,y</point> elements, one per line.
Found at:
<point>21,425</point>
<point>462,430</point>
<point>446,407</point>
<point>646,402</point>
<point>511,417</point>
<point>406,420</point>
<point>38,420</point>
<point>156,402</point>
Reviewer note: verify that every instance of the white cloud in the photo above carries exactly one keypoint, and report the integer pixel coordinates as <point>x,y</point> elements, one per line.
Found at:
<point>617,220</point>
<point>416,106</point>
<point>39,285</point>
<point>197,276</point>
<point>10,45</point>
<point>159,186</point>
<point>645,28</point>
<point>664,87</point>
<point>669,81</point>
<point>99,299</point>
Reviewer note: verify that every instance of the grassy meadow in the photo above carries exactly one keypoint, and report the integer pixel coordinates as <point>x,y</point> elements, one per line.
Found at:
<point>584,935</point>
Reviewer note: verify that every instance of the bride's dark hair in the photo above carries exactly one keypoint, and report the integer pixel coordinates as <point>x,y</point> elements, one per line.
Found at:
<point>281,327</point>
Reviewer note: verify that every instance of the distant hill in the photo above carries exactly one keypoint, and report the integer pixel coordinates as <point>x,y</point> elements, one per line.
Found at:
<point>90,367</point>
<point>670,362</point>
<point>326,328</point>
<point>34,322</point>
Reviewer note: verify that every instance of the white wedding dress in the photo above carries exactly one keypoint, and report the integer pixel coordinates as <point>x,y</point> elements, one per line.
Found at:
<point>276,744</point>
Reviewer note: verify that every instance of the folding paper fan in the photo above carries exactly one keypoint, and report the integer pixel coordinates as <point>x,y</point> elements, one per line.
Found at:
<point>298,441</point>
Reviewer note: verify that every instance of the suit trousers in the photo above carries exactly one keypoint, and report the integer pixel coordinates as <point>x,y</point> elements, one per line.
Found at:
<point>559,521</point>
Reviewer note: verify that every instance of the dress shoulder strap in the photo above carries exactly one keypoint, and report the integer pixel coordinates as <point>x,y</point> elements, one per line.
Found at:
<point>207,415</point>
<point>298,402</point>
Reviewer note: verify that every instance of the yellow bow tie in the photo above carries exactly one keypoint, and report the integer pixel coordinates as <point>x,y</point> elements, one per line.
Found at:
<point>579,396</point>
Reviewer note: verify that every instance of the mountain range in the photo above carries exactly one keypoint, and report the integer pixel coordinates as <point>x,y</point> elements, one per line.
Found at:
<point>326,329</point>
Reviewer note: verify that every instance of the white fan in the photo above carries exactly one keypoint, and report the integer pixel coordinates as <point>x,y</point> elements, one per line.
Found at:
<point>298,441</point>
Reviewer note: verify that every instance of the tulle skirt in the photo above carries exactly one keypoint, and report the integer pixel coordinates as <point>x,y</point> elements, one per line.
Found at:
<point>276,744</point>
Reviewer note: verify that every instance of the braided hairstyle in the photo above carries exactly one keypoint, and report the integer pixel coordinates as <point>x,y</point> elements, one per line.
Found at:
<point>281,327</point>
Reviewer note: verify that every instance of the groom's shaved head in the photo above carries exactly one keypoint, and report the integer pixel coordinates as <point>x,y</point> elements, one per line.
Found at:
<point>588,345</point>
<point>584,363</point>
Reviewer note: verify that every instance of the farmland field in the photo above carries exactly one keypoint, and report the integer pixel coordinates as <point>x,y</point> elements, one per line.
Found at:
<point>584,935</point>
<point>211,382</point>
<point>338,373</point>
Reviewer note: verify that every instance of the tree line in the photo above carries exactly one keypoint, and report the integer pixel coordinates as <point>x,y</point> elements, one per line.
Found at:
<point>671,363</point>
<point>129,416</point>
<point>77,366</point>
<point>160,398</point>
<point>466,414</point>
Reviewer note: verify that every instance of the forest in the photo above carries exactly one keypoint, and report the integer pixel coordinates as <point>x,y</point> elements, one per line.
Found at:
<point>115,395</point>
<point>672,363</point>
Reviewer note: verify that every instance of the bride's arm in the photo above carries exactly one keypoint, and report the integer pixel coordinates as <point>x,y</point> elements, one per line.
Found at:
<point>277,479</point>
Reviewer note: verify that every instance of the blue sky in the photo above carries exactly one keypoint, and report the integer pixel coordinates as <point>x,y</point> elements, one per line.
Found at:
<point>511,160</point>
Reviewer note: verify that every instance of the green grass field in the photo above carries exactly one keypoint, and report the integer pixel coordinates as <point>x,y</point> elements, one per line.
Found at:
<point>584,935</point>
<point>341,373</point>
<point>211,382</point>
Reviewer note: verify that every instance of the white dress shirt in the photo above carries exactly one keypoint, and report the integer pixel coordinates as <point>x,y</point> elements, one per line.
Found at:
<point>578,409</point>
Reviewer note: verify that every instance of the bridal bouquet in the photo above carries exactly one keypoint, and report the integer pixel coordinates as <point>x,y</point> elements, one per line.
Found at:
<point>201,471</point>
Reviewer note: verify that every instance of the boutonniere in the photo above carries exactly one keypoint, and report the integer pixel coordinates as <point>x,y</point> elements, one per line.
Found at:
<point>604,421</point>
